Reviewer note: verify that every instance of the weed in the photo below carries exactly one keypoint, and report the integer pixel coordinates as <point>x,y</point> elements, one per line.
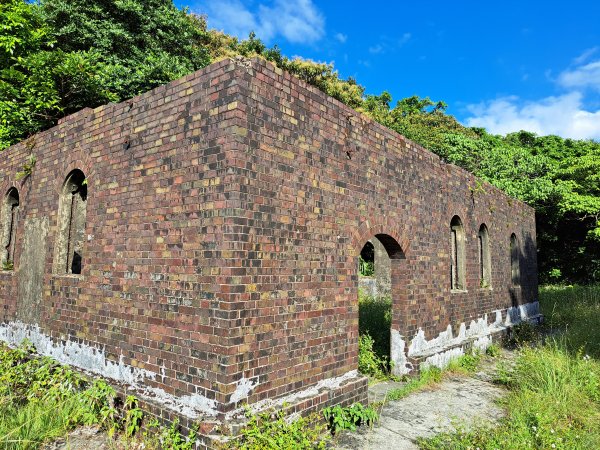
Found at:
<point>168,437</point>
<point>521,334</point>
<point>493,350</point>
<point>575,312</point>
<point>271,430</point>
<point>466,364</point>
<point>348,418</point>
<point>133,416</point>
<point>374,320</point>
<point>365,268</point>
<point>8,265</point>
<point>368,362</point>
<point>427,377</point>
<point>27,168</point>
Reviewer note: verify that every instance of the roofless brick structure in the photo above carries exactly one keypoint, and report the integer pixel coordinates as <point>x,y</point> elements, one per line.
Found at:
<point>200,243</point>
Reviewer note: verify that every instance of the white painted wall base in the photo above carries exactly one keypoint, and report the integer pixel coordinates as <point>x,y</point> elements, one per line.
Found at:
<point>440,350</point>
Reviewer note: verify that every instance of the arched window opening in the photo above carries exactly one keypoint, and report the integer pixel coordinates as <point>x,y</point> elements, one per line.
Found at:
<point>515,266</point>
<point>10,219</point>
<point>72,213</point>
<point>485,276</point>
<point>457,263</point>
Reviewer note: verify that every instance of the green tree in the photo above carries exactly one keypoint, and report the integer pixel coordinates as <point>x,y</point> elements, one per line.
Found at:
<point>38,83</point>
<point>141,44</point>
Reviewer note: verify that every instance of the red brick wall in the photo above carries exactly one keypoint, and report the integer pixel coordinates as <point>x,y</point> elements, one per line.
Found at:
<point>155,280</point>
<point>225,214</point>
<point>317,181</point>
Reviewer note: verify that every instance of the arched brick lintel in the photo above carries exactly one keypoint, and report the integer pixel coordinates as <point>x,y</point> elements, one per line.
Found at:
<point>80,164</point>
<point>383,227</point>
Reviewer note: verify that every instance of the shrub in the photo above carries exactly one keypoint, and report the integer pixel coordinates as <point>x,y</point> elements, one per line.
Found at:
<point>368,362</point>
<point>348,418</point>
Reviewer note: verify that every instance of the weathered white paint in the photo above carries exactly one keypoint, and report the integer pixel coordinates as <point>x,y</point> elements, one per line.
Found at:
<point>400,365</point>
<point>441,349</point>
<point>93,360</point>
<point>442,359</point>
<point>313,391</point>
<point>243,389</point>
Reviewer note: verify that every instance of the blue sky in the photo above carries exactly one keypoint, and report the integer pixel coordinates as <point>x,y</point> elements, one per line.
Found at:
<point>504,65</point>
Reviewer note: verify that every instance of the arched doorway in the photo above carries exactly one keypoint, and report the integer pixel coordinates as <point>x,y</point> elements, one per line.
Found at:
<point>378,279</point>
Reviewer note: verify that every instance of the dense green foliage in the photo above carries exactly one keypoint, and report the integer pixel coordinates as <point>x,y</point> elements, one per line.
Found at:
<point>374,322</point>
<point>40,83</point>
<point>140,44</point>
<point>59,56</point>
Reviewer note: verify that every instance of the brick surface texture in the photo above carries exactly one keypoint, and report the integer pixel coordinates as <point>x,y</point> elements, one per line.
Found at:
<point>225,215</point>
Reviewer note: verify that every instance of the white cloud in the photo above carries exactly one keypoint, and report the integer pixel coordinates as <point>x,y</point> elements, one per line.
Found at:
<point>585,55</point>
<point>389,44</point>
<point>298,21</point>
<point>574,113</point>
<point>341,37</point>
<point>404,39</point>
<point>562,115</point>
<point>376,49</point>
<point>586,76</point>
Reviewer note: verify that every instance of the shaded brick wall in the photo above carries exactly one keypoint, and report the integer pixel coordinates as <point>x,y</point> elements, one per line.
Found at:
<point>155,282</point>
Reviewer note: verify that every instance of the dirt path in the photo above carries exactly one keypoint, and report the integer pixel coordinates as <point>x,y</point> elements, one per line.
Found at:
<point>456,400</point>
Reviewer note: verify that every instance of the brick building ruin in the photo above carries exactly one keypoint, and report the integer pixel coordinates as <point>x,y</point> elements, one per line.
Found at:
<point>200,244</point>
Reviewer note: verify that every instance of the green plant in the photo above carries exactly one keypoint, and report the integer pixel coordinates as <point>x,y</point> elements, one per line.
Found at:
<point>374,319</point>
<point>467,363</point>
<point>41,400</point>
<point>573,311</point>
<point>271,430</point>
<point>493,350</point>
<point>348,418</point>
<point>368,362</point>
<point>521,334</point>
<point>27,168</point>
<point>133,416</point>
<point>8,265</point>
<point>365,268</point>
<point>427,377</point>
<point>171,437</point>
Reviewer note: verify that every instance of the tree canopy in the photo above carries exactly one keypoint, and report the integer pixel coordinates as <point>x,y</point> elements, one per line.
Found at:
<point>58,56</point>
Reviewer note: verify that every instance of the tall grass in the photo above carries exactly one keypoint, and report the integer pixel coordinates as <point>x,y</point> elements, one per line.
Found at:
<point>574,310</point>
<point>28,426</point>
